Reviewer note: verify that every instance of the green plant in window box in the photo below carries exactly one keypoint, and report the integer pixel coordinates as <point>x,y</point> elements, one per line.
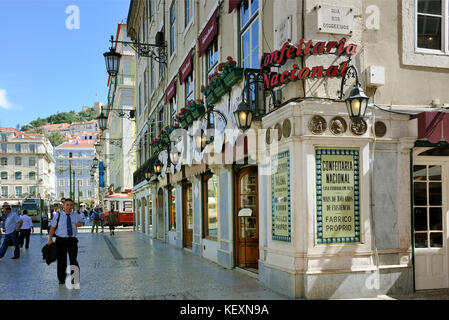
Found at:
<point>232,73</point>
<point>181,118</point>
<point>208,92</point>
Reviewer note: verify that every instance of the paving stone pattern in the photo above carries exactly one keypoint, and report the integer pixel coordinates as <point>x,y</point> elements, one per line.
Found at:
<point>126,266</point>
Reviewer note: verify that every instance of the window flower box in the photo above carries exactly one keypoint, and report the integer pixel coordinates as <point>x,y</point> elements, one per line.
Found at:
<point>233,77</point>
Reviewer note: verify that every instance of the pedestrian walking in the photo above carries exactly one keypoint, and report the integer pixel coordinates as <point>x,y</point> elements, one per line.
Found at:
<point>101,219</point>
<point>112,220</point>
<point>66,241</point>
<point>95,219</point>
<point>12,227</point>
<point>26,229</point>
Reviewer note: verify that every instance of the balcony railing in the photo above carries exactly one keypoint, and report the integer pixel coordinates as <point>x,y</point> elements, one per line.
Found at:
<point>139,174</point>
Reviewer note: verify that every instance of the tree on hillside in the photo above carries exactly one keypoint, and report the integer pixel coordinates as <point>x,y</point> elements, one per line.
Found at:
<point>55,138</point>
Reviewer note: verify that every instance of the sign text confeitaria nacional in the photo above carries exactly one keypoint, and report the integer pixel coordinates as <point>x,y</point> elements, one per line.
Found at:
<point>290,51</point>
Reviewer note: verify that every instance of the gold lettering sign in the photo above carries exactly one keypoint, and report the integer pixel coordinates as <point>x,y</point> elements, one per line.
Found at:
<point>338,195</point>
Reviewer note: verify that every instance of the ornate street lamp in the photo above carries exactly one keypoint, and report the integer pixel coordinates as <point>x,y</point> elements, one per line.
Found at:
<point>243,116</point>
<point>157,166</point>
<point>200,140</point>
<point>252,106</point>
<point>102,121</point>
<point>148,175</point>
<point>97,146</point>
<point>357,101</point>
<point>112,59</point>
<point>174,154</point>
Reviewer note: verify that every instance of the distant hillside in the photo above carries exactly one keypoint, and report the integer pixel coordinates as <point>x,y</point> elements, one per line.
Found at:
<point>60,117</point>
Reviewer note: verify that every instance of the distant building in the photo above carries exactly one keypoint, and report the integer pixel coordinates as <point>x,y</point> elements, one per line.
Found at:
<point>27,166</point>
<point>77,156</point>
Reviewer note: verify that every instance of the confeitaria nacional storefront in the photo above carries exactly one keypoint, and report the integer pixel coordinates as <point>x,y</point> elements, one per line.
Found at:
<point>319,196</point>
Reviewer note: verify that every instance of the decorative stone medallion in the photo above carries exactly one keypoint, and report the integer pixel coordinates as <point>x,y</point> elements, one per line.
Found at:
<point>268,136</point>
<point>278,127</point>
<point>317,125</point>
<point>358,128</point>
<point>380,129</point>
<point>286,128</point>
<point>338,126</point>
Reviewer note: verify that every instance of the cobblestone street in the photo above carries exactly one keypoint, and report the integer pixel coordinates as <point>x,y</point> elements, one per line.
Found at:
<point>126,266</point>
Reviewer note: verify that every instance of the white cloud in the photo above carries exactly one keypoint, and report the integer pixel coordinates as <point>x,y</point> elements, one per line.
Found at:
<point>4,102</point>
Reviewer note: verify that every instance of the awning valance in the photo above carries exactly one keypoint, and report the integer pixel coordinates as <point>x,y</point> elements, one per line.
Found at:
<point>235,3</point>
<point>433,126</point>
<point>171,90</point>
<point>186,68</point>
<point>208,34</point>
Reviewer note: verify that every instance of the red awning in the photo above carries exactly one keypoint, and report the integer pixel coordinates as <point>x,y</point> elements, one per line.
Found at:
<point>208,34</point>
<point>186,68</point>
<point>433,126</point>
<point>235,3</point>
<point>171,90</point>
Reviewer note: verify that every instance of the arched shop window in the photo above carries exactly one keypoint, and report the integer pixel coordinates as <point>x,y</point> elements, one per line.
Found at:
<point>210,206</point>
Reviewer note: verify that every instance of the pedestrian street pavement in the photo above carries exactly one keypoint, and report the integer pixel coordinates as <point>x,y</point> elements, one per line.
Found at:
<point>126,266</point>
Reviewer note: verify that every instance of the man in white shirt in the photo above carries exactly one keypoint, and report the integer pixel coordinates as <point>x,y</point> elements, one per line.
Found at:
<point>25,230</point>
<point>66,231</point>
<point>12,226</point>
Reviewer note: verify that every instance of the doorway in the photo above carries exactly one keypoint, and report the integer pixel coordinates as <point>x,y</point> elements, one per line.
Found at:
<point>160,215</point>
<point>187,211</point>
<point>430,218</point>
<point>247,220</point>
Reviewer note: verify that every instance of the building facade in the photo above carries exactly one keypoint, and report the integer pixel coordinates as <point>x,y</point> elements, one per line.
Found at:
<point>27,166</point>
<point>117,154</point>
<point>315,203</point>
<point>76,157</point>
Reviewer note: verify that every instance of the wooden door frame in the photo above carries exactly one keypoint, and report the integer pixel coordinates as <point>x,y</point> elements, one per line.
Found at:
<point>238,174</point>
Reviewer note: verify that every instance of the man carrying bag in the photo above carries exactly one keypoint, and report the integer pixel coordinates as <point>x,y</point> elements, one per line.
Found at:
<point>66,241</point>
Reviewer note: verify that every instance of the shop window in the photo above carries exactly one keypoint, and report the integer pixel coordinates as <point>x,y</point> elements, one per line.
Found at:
<point>427,206</point>
<point>212,58</point>
<point>172,28</point>
<point>150,212</point>
<point>188,5</point>
<point>249,34</point>
<point>210,206</point>
<point>172,208</point>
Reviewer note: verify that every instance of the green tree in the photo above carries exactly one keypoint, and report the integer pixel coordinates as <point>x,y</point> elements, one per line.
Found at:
<point>55,138</point>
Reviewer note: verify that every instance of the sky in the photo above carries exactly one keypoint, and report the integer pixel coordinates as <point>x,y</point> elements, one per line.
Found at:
<point>51,58</point>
